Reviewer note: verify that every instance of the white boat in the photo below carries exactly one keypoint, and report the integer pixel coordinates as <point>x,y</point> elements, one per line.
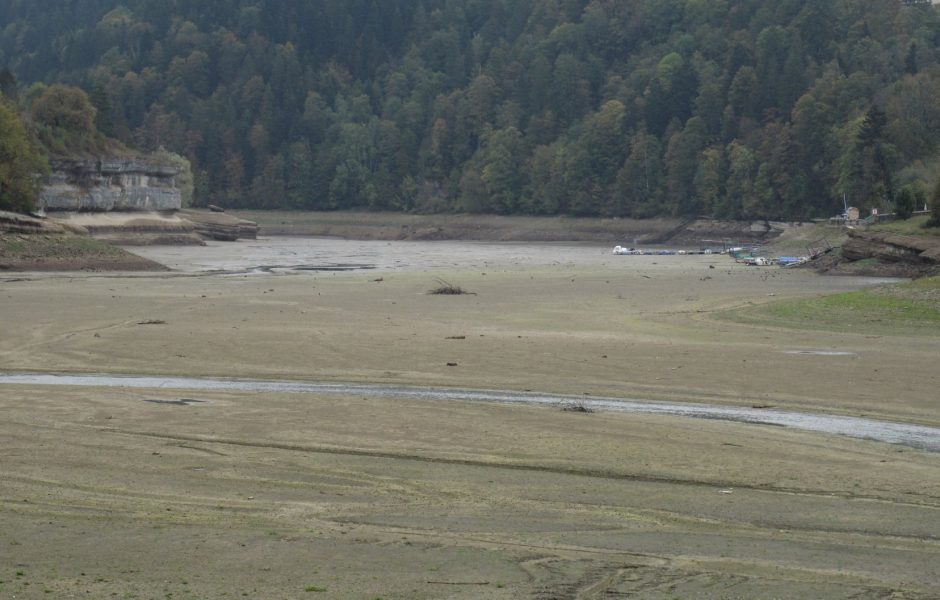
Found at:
<point>624,251</point>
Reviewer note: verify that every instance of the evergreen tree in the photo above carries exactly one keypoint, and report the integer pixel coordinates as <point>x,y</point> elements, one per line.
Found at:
<point>904,203</point>
<point>8,85</point>
<point>934,220</point>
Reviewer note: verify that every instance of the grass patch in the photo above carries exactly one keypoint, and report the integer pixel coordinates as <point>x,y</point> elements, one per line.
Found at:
<point>315,589</point>
<point>54,246</point>
<point>913,226</point>
<point>901,309</point>
<point>66,252</point>
<point>800,240</point>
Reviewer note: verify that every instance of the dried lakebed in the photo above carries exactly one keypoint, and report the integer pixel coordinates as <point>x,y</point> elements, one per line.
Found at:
<point>306,255</point>
<point>914,436</point>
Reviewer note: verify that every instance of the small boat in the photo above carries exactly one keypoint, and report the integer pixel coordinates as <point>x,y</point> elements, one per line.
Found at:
<point>624,251</point>
<point>758,261</point>
<point>791,261</point>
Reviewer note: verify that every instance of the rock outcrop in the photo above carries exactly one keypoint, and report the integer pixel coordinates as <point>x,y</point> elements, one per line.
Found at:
<point>220,226</point>
<point>131,202</point>
<point>109,184</point>
<point>146,228</point>
<point>133,228</point>
<point>11,222</point>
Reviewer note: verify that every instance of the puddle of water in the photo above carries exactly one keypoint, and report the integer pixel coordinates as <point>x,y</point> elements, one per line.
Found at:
<point>821,352</point>
<point>180,402</point>
<point>326,268</point>
<point>914,436</point>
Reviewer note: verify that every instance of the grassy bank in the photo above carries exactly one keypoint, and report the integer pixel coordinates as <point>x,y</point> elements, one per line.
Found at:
<point>54,246</point>
<point>901,309</point>
<point>54,252</point>
<point>912,226</point>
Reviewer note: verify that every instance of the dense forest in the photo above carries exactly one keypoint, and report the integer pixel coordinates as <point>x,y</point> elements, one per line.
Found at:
<point>731,108</point>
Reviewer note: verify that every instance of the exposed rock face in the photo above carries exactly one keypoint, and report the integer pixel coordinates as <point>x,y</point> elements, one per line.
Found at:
<point>145,228</point>
<point>137,228</point>
<point>11,222</point>
<point>221,226</point>
<point>132,202</point>
<point>886,247</point>
<point>110,185</point>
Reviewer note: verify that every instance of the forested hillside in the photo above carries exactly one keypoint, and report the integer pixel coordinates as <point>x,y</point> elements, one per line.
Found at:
<point>731,108</point>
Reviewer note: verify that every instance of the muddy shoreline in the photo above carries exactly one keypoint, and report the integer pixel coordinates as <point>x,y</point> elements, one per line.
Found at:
<point>218,493</point>
<point>159,229</point>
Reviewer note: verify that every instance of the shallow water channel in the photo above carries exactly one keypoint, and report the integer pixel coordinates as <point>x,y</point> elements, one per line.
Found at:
<point>914,436</point>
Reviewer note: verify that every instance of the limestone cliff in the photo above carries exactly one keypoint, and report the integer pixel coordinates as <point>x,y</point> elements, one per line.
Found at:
<point>145,228</point>
<point>109,184</point>
<point>131,202</point>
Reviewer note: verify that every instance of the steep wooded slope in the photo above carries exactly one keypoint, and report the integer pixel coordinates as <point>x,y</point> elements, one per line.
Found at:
<point>751,108</point>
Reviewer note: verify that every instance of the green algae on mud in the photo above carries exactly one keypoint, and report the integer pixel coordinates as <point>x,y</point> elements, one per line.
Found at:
<point>67,252</point>
<point>53,245</point>
<point>901,309</point>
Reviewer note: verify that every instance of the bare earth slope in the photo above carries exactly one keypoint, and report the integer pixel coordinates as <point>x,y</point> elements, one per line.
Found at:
<point>66,252</point>
<point>151,493</point>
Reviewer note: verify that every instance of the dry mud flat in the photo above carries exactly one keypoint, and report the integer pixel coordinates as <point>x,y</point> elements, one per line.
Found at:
<point>156,493</point>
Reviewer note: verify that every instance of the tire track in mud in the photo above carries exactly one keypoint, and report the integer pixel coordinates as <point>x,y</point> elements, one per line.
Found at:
<point>597,581</point>
<point>209,505</point>
<point>548,469</point>
<point>510,466</point>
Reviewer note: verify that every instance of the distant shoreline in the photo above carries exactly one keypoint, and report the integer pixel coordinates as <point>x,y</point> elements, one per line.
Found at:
<point>53,251</point>
<point>499,228</point>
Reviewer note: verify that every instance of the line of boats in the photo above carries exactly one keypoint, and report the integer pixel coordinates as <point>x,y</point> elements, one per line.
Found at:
<point>740,254</point>
<point>783,261</point>
<point>624,251</point>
